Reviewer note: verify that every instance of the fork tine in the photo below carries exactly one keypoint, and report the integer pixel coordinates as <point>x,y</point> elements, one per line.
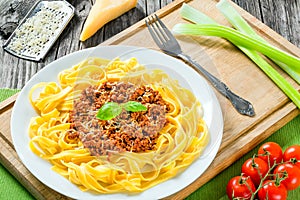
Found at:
<point>162,36</point>
<point>156,32</point>
<point>160,29</point>
<point>153,33</point>
<point>166,30</point>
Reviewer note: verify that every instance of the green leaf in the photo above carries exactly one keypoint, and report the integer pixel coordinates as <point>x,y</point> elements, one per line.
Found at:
<point>109,111</point>
<point>134,106</point>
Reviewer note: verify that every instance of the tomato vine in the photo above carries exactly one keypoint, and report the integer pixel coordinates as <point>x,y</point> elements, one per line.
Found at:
<point>268,175</point>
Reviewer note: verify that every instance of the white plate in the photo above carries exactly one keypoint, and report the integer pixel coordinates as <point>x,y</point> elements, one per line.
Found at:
<point>23,111</point>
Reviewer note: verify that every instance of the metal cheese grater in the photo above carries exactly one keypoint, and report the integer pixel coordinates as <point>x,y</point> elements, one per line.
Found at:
<point>39,29</point>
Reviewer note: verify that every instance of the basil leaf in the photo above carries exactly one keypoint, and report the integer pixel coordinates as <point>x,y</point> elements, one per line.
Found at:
<point>134,106</point>
<point>109,111</point>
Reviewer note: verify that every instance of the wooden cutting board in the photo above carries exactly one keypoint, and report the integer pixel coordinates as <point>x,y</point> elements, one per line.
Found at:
<point>241,133</point>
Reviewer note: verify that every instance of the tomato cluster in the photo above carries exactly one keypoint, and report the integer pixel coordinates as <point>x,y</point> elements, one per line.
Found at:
<point>269,175</point>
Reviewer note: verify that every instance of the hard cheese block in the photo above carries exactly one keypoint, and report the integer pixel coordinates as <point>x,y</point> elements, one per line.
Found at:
<point>102,12</point>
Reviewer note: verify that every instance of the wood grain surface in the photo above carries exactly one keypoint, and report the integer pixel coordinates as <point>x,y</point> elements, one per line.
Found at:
<point>283,16</point>
<point>241,133</point>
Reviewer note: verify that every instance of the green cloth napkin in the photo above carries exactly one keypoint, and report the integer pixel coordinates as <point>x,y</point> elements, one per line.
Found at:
<point>10,188</point>
<point>288,135</point>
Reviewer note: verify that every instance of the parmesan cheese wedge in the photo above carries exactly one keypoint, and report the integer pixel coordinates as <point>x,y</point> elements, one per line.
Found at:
<point>102,12</point>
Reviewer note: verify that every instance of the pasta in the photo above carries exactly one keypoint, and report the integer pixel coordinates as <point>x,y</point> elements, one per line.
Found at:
<point>182,138</point>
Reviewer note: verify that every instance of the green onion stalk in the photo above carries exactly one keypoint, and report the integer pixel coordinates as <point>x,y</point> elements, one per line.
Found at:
<point>251,45</point>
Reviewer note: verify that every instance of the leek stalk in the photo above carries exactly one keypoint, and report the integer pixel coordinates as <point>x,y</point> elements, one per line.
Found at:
<point>189,13</point>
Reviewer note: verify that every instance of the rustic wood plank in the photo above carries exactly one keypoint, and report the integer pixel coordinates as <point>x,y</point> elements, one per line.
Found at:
<point>12,71</point>
<point>253,7</point>
<point>283,17</point>
<point>16,72</point>
<point>280,15</point>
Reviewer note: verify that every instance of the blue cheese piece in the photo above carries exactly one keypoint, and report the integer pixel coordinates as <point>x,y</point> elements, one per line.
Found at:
<point>39,30</point>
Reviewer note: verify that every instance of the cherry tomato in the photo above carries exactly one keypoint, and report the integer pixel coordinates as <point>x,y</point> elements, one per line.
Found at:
<point>256,168</point>
<point>271,191</point>
<point>239,186</point>
<point>292,174</point>
<point>292,154</point>
<point>272,151</point>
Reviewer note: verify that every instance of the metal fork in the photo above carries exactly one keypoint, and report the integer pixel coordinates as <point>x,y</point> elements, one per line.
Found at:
<point>168,44</point>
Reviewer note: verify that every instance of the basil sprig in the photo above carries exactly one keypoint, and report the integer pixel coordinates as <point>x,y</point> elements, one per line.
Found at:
<point>111,110</point>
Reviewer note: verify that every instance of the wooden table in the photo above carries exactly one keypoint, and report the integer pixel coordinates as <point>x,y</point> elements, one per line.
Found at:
<point>283,16</point>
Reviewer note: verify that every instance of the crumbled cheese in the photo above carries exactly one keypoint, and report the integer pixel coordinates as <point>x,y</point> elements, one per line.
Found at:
<point>35,34</point>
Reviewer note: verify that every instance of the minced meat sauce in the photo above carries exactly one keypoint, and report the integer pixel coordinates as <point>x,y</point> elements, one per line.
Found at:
<point>129,131</point>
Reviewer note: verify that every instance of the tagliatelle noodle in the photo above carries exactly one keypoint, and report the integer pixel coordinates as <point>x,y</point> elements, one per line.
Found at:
<point>180,141</point>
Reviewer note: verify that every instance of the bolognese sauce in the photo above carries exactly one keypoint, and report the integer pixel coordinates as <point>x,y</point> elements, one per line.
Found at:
<point>129,131</point>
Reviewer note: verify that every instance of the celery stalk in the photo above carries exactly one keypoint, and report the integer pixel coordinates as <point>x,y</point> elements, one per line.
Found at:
<point>189,13</point>
<point>239,38</point>
<point>240,24</point>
